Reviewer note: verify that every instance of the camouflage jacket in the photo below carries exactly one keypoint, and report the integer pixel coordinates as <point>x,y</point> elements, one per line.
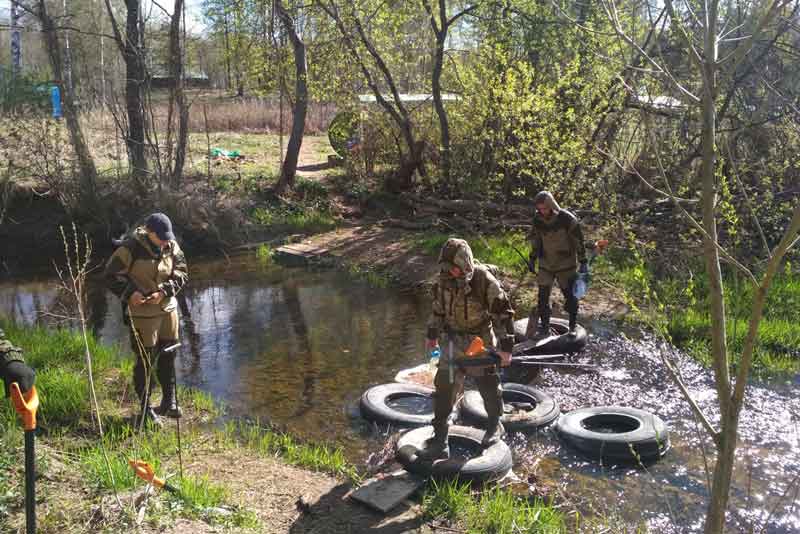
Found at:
<point>138,265</point>
<point>8,352</point>
<point>557,243</point>
<point>472,308</point>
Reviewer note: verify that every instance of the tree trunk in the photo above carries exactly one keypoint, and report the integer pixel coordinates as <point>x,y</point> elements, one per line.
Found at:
<point>444,125</point>
<point>133,54</point>
<point>227,54</point>
<point>396,109</point>
<point>16,41</point>
<point>176,71</point>
<point>289,167</point>
<point>88,178</point>
<point>721,482</point>
<point>726,443</point>
<point>67,54</point>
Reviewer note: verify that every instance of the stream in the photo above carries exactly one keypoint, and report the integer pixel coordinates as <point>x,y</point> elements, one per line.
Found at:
<point>297,347</point>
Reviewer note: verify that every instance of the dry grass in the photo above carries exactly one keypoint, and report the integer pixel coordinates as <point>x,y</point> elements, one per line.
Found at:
<point>231,114</point>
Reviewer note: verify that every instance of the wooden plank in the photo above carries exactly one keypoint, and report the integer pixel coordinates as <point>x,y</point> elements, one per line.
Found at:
<point>300,253</point>
<point>385,492</point>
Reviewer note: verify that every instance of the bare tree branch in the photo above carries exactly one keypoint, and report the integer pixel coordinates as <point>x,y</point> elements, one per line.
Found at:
<point>694,55</point>
<point>675,374</point>
<point>741,51</point>
<point>611,12</point>
<point>759,300</point>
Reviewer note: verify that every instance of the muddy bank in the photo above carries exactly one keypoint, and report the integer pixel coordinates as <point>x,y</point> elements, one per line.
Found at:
<point>390,252</point>
<point>206,225</point>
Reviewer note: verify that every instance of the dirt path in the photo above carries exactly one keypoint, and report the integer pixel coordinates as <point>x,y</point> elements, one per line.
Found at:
<point>392,252</point>
<point>291,500</point>
<point>313,161</point>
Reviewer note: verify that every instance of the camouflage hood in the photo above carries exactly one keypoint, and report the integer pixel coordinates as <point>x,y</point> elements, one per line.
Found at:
<point>456,252</point>
<point>546,197</point>
<point>140,235</point>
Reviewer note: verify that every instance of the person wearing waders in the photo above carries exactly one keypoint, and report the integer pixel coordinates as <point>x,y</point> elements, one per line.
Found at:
<point>468,301</point>
<point>557,244</point>
<point>146,272</point>
<point>13,368</point>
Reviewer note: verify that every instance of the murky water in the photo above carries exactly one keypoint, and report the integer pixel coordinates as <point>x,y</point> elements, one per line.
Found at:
<point>298,348</point>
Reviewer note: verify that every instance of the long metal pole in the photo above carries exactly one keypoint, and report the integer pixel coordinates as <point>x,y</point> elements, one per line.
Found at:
<point>30,483</point>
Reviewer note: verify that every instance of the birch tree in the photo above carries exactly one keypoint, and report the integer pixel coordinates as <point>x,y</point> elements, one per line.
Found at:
<point>718,43</point>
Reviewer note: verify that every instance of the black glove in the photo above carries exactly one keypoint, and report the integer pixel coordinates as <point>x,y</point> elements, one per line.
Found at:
<point>532,264</point>
<point>16,371</point>
<point>584,269</point>
<point>507,343</point>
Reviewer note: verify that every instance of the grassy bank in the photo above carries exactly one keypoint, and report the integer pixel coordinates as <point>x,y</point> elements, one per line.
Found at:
<point>494,249</point>
<point>496,511</point>
<point>676,305</point>
<point>72,452</point>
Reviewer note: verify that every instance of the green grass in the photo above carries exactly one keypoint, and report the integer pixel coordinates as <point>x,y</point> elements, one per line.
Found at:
<point>63,397</point>
<point>310,190</point>
<point>497,250</point>
<point>258,169</point>
<point>58,356</point>
<point>65,412</point>
<point>494,511</point>
<point>448,499</point>
<point>311,219</point>
<point>199,493</point>
<point>371,277</point>
<point>200,401</point>
<point>46,347</point>
<point>121,474</point>
<point>9,441</point>
<point>266,442</point>
<point>264,255</point>
<point>677,307</point>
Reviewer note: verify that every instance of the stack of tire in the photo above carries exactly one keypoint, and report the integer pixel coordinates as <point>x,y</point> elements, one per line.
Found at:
<point>612,435</point>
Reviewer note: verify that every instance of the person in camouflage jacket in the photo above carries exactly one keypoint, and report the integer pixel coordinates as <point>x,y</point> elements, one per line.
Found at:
<point>557,245</point>
<point>468,301</point>
<point>146,272</point>
<point>12,366</point>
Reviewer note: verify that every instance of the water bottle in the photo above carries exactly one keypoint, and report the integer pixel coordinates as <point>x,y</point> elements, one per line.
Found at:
<point>434,361</point>
<point>580,287</point>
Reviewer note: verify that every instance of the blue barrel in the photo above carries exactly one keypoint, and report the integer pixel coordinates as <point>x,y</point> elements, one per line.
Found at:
<point>55,97</point>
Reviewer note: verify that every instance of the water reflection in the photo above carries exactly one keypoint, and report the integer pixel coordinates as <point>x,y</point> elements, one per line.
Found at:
<point>298,348</point>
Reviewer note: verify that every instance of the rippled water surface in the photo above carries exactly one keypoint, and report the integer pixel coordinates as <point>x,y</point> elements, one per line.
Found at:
<point>298,348</point>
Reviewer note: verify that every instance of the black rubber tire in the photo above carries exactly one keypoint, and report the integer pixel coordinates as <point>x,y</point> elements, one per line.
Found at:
<point>545,408</point>
<point>375,404</point>
<point>642,431</point>
<point>493,463</point>
<point>562,344</point>
<point>342,128</point>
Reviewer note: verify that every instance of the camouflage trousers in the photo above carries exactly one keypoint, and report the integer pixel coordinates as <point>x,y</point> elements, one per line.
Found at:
<point>486,378</point>
<point>447,393</point>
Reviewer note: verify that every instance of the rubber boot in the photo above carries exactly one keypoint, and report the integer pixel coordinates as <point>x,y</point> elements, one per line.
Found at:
<point>166,377</point>
<point>544,309</point>
<point>573,324</point>
<point>494,432</point>
<point>146,413</point>
<point>544,327</point>
<point>437,447</point>
<point>531,330</point>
